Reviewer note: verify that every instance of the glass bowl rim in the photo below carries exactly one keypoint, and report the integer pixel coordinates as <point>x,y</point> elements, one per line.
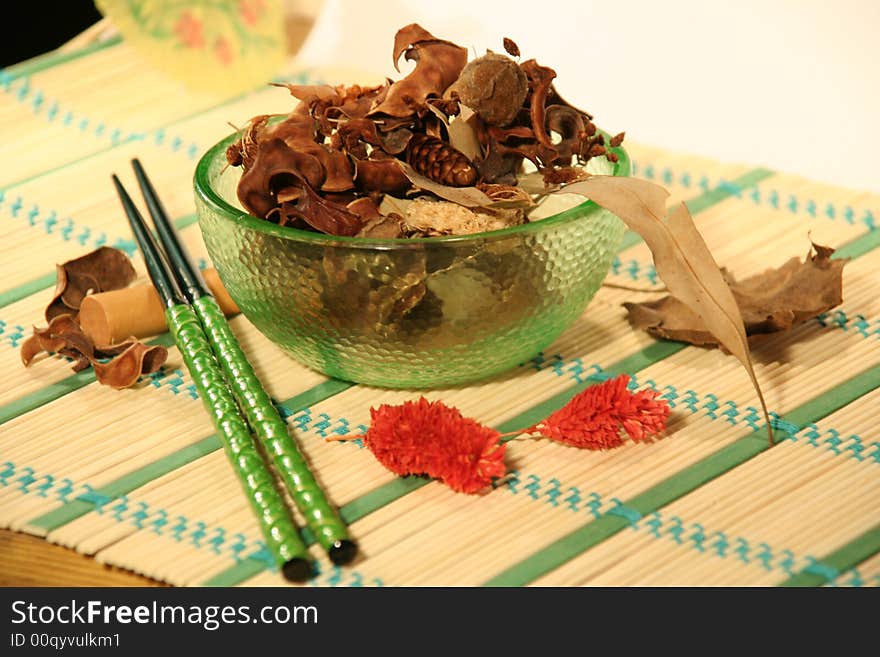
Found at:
<point>209,196</point>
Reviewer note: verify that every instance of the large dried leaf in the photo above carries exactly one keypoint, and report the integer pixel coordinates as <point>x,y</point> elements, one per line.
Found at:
<point>775,300</point>
<point>681,258</point>
<point>102,270</point>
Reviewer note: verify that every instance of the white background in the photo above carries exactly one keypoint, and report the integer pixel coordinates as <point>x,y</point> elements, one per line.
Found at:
<point>791,85</point>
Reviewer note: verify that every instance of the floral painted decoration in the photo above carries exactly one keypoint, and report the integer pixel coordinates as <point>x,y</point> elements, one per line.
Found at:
<point>224,46</point>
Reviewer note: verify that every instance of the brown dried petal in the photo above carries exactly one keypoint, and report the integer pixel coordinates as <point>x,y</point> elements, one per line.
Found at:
<point>498,166</point>
<point>243,151</point>
<point>365,208</point>
<point>569,123</point>
<point>438,65</point>
<point>308,93</point>
<point>448,106</point>
<point>279,165</point>
<point>396,141</point>
<point>511,47</point>
<point>298,127</point>
<point>540,79</point>
<point>63,334</point>
<point>325,216</point>
<point>617,139</point>
<point>31,347</point>
<point>381,176</point>
<point>124,370</point>
<point>102,270</point>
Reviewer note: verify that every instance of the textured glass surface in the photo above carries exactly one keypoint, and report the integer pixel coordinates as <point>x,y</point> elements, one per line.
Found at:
<point>406,313</point>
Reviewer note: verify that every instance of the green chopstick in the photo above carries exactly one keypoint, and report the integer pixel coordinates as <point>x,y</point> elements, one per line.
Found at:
<point>279,532</point>
<point>271,430</point>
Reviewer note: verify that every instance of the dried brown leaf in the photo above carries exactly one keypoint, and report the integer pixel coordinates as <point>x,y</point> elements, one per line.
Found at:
<point>438,65</point>
<point>773,301</point>
<point>123,370</point>
<point>463,134</point>
<point>510,47</point>
<point>64,335</point>
<point>681,257</point>
<point>326,216</point>
<point>468,196</point>
<point>102,270</point>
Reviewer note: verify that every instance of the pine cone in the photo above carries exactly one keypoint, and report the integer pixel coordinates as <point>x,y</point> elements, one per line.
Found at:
<point>440,162</point>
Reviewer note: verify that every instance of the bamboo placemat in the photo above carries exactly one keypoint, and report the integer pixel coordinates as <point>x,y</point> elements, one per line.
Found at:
<point>136,478</point>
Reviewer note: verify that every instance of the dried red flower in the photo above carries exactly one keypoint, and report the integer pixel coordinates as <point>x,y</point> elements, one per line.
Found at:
<point>429,438</point>
<point>593,419</point>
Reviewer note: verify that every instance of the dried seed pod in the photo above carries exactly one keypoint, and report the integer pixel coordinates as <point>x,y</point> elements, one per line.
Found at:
<point>437,160</point>
<point>494,86</point>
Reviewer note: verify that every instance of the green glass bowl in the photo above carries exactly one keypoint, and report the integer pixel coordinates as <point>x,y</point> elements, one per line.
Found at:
<point>406,313</point>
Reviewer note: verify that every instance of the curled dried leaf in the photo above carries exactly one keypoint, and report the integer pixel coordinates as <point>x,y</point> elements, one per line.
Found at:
<point>463,134</point>
<point>438,65</point>
<point>124,369</point>
<point>276,166</point>
<point>128,360</point>
<point>102,270</point>
<point>325,216</point>
<point>382,175</point>
<point>506,195</point>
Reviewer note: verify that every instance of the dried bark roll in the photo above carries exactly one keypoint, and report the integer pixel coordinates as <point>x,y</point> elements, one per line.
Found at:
<point>137,311</point>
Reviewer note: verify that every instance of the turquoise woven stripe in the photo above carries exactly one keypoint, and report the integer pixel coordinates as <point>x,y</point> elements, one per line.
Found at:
<point>55,111</point>
<point>853,577</point>
<point>47,281</point>
<point>829,568</point>
<point>652,500</point>
<point>244,551</point>
<point>761,195</point>
<point>90,499</point>
<point>54,58</point>
<point>58,389</point>
<point>133,480</point>
<point>687,534</point>
<point>712,193</point>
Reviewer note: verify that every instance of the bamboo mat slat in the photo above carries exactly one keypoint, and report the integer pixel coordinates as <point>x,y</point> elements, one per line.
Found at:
<point>136,479</point>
